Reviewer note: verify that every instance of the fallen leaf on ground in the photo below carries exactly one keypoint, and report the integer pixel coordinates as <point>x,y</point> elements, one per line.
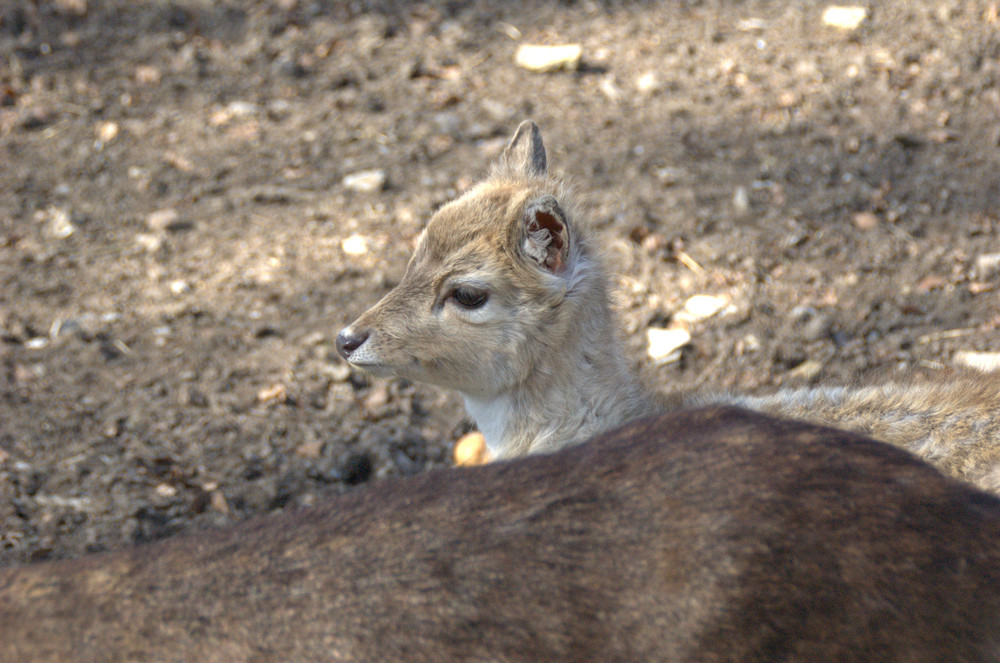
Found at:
<point>470,449</point>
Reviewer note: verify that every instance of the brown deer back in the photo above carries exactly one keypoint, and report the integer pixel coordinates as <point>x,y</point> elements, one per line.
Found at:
<point>706,535</point>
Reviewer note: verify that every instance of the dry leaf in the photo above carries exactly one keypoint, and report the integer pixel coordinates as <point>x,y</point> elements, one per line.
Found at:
<point>471,449</point>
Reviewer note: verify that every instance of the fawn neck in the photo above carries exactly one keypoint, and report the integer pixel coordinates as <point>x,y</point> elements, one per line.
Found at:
<point>580,385</point>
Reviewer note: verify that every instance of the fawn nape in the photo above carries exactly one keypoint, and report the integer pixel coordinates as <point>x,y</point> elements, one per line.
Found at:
<point>506,301</point>
<point>702,535</point>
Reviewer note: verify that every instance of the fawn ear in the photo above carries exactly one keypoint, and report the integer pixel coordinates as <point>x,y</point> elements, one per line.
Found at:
<point>546,234</point>
<point>525,153</point>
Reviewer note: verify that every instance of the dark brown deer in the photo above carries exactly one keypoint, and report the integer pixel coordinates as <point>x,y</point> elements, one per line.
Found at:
<point>708,535</point>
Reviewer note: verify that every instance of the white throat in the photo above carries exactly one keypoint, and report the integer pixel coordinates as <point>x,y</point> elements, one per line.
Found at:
<point>491,416</point>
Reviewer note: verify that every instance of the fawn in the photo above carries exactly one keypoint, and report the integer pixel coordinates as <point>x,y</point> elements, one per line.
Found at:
<point>506,301</point>
<point>707,536</point>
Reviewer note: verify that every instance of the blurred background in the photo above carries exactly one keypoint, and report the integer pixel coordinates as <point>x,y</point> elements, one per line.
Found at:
<point>195,196</point>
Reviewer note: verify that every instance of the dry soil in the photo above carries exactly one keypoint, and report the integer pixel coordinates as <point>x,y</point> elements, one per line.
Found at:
<point>173,218</point>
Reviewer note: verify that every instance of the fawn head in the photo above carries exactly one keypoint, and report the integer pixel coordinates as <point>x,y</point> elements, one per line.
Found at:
<point>489,289</point>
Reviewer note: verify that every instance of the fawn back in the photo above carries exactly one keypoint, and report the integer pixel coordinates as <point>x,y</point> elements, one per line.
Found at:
<point>709,535</point>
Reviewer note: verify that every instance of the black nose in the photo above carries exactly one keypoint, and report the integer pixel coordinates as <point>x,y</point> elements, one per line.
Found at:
<point>349,340</point>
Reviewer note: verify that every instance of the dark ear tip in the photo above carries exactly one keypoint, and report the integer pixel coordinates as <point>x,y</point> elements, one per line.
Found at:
<point>526,126</point>
<point>527,129</point>
<point>525,153</point>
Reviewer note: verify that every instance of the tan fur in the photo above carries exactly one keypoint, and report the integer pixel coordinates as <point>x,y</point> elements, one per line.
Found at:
<point>954,424</point>
<point>540,365</point>
<point>534,364</point>
<point>701,536</point>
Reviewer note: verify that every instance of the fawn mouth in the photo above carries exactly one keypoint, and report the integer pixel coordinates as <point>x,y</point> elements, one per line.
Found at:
<point>383,370</point>
<point>375,370</point>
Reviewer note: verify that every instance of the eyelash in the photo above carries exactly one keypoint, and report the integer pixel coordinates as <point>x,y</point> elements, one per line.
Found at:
<point>469,298</point>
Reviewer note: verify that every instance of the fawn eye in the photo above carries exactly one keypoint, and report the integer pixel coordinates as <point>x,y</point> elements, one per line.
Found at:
<point>469,298</point>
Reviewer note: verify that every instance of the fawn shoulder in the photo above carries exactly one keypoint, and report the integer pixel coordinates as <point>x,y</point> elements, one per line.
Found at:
<point>712,535</point>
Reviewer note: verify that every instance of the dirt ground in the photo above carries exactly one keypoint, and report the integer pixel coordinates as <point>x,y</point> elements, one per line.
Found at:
<point>173,214</point>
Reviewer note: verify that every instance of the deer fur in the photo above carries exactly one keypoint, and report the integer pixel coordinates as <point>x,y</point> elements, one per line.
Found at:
<point>539,363</point>
<point>708,536</point>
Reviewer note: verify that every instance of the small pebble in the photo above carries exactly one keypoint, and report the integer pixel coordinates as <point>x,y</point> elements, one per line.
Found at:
<point>844,17</point>
<point>535,57</point>
<point>928,283</point>
<point>807,370</point>
<point>179,286</point>
<point>149,243</point>
<point>669,175</point>
<point>69,326</point>
<point>647,83</point>
<point>61,502</point>
<point>664,344</point>
<point>161,219</point>
<point>366,181</point>
<point>218,502</point>
<point>276,393</point>
<point>749,343</point>
<point>165,490</point>
<point>701,307</point>
<point>741,200</point>
<point>981,361</point>
<point>59,226</point>
<point>355,245</point>
<point>751,24</point>
<point>146,75</point>
<point>865,220</point>
<point>242,108</point>
<point>987,265</point>
<point>610,88</point>
<point>107,131</point>
<point>309,449</point>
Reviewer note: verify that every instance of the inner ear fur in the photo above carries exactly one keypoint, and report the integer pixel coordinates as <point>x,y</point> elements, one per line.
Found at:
<point>546,234</point>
